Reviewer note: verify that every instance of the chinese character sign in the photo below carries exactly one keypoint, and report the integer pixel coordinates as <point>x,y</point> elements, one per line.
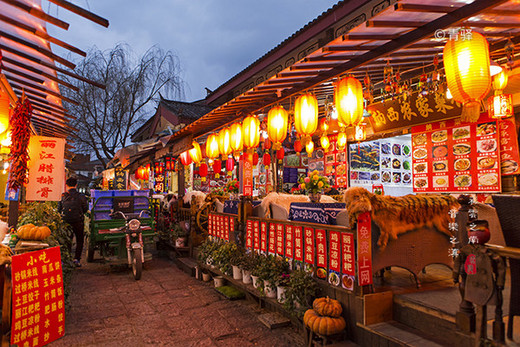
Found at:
<point>249,234</point>
<point>334,250</point>
<point>247,175</point>
<point>321,248</point>
<point>46,168</point>
<point>263,237</point>
<point>298,243</point>
<point>119,179</point>
<point>347,254</point>
<point>509,154</point>
<point>38,301</point>
<point>309,245</point>
<point>279,239</point>
<point>256,235</point>
<point>364,246</point>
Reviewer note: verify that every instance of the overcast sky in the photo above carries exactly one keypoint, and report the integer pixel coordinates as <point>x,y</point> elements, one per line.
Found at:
<point>214,39</point>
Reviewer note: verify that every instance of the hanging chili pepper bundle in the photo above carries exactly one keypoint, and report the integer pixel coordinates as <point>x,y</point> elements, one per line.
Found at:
<point>20,134</point>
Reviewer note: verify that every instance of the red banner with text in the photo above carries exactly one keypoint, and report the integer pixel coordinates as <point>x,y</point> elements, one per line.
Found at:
<point>364,248</point>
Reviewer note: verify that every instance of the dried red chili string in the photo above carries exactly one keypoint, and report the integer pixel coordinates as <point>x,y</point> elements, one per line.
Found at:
<point>20,135</point>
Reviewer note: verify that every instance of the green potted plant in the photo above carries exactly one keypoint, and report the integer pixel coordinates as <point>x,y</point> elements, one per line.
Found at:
<point>178,236</point>
<point>247,265</point>
<point>235,259</point>
<point>314,184</point>
<point>281,286</point>
<point>256,266</point>
<point>300,292</point>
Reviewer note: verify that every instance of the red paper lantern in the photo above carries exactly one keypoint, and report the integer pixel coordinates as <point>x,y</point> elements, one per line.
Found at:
<point>230,165</point>
<point>280,154</point>
<point>297,146</point>
<point>146,175</point>
<point>138,173</point>
<point>267,143</point>
<point>203,171</point>
<point>266,159</point>
<point>217,167</point>
<point>185,158</point>
<point>255,159</point>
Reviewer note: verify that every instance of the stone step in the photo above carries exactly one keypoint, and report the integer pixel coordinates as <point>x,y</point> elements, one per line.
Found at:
<point>393,334</point>
<point>186,264</point>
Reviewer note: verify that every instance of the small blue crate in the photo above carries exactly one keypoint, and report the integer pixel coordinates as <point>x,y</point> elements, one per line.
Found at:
<point>100,193</point>
<point>122,193</point>
<point>102,215</point>
<point>140,193</point>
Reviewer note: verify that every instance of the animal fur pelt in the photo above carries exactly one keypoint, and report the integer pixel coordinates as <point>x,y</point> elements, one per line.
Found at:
<point>398,215</point>
<point>285,200</point>
<point>199,197</point>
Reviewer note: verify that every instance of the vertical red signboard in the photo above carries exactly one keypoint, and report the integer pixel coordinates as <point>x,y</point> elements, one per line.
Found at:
<point>347,254</point>
<point>249,234</point>
<point>210,224</point>
<point>321,248</point>
<point>509,154</point>
<point>279,239</point>
<point>256,235</point>
<point>226,228</point>
<point>263,236</point>
<point>38,302</point>
<point>309,245</point>
<point>272,238</point>
<point>289,241</point>
<point>247,174</point>
<point>334,251</point>
<point>298,244</point>
<point>231,226</point>
<point>364,249</point>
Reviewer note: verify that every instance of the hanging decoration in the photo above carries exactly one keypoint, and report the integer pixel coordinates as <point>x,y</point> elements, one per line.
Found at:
<point>4,111</point>
<point>324,141</point>
<point>266,160</point>
<point>298,146</point>
<point>309,148</point>
<point>368,93</point>
<point>196,153</point>
<point>341,142</point>
<point>146,175</point>
<point>159,168</point>
<point>306,117</point>
<point>280,154</point>
<point>510,52</point>
<point>212,150</point>
<point>466,63</point>
<point>500,82</point>
<point>203,171</point>
<point>20,120</point>
<point>501,106</point>
<point>185,158</point>
<point>255,159</point>
<point>167,163</point>
<point>224,143</point>
<point>348,96</point>
<point>217,168</point>
<point>360,132</point>
<point>277,120</point>
<point>267,144</point>
<point>139,173</point>
<point>230,166</point>
<point>235,137</point>
<point>251,132</point>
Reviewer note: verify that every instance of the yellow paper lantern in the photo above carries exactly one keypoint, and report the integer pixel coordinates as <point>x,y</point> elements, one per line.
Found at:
<point>196,153</point>
<point>4,111</point>
<point>306,116</point>
<point>466,63</point>
<point>251,132</point>
<point>235,132</point>
<point>324,141</point>
<point>5,139</point>
<point>500,82</point>
<point>341,141</point>
<point>212,150</point>
<point>348,97</point>
<point>277,120</point>
<point>501,106</point>
<point>309,148</point>
<point>224,142</point>
<point>360,132</point>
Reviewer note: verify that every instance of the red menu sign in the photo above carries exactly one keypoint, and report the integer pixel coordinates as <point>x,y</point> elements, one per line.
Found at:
<point>231,226</point>
<point>309,245</point>
<point>226,228</point>
<point>247,174</point>
<point>279,239</point>
<point>289,241</point>
<point>347,253</point>
<point>364,249</point>
<point>321,248</point>
<point>452,156</point>
<point>249,234</point>
<point>256,235</point>
<point>298,244</point>
<point>334,250</point>
<point>509,154</point>
<point>38,301</point>
<point>263,236</point>
<point>272,238</point>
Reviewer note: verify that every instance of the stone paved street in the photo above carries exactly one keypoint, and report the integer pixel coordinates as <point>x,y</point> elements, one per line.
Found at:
<point>166,307</point>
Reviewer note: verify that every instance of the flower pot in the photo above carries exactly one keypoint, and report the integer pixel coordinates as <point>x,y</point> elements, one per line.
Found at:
<point>197,272</point>
<point>237,273</point>
<point>315,197</point>
<point>180,242</point>
<point>246,276</point>
<point>269,292</point>
<point>280,294</point>
<point>255,281</point>
<point>206,277</point>
<point>219,281</point>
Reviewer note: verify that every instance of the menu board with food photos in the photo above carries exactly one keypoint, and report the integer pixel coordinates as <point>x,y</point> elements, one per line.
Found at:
<point>331,163</point>
<point>453,156</point>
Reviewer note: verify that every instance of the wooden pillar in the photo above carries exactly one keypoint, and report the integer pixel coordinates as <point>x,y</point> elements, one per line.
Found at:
<point>181,182</point>
<point>13,213</point>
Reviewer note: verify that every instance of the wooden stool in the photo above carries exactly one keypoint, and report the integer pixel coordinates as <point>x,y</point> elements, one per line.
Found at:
<point>315,339</point>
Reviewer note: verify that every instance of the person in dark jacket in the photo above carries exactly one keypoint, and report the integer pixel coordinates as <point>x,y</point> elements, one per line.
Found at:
<point>73,206</point>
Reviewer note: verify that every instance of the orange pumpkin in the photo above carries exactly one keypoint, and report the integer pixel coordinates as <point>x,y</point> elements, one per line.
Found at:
<point>327,307</point>
<point>32,232</point>
<point>323,325</point>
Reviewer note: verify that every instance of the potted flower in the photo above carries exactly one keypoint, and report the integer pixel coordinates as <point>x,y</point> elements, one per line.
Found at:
<point>247,265</point>
<point>300,292</point>
<point>235,259</point>
<point>281,287</point>
<point>256,266</point>
<point>232,189</point>
<point>178,236</point>
<point>270,272</point>
<point>314,184</point>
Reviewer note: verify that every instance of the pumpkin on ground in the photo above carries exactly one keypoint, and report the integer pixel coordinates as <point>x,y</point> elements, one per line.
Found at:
<point>323,325</point>
<point>327,307</point>
<point>32,232</point>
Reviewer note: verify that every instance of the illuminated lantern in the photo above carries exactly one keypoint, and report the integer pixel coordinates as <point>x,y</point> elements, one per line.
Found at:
<point>324,141</point>
<point>185,158</point>
<point>309,148</point>
<point>266,160</point>
<point>195,153</point>
<point>224,142</point>
<point>500,106</point>
<point>212,150</point>
<point>251,132</point>
<point>500,82</point>
<point>230,165</point>
<point>4,111</point>
<point>297,146</point>
<point>360,133</point>
<point>348,97</point>
<point>255,159</point>
<point>341,141</point>
<point>306,116</point>
<point>466,63</point>
<point>138,173</point>
<point>235,136</point>
<point>267,144</point>
<point>277,120</point>
<point>217,167</point>
<point>280,154</point>
<point>5,139</point>
<point>146,175</point>
<point>203,171</point>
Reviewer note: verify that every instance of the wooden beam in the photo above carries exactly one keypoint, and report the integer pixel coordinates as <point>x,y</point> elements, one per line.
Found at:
<point>43,101</point>
<point>36,12</point>
<point>25,84</point>
<point>448,9</point>
<point>24,75</point>
<point>81,12</point>
<point>418,24</point>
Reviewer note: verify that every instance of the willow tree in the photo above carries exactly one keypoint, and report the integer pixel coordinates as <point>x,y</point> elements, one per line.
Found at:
<point>106,118</point>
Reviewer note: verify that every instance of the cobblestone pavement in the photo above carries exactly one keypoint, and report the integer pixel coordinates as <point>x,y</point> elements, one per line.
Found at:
<point>166,307</point>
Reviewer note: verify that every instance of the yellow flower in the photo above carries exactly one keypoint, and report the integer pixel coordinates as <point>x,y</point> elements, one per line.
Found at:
<point>315,172</point>
<point>315,177</point>
<point>320,184</point>
<point>303,185</point>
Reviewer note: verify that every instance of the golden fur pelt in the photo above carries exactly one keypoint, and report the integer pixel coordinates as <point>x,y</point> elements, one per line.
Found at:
<point>285,200</point>
<point>398,215</point>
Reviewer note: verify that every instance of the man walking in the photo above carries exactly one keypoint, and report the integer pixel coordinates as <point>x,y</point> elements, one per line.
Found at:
<point>73,206</point>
